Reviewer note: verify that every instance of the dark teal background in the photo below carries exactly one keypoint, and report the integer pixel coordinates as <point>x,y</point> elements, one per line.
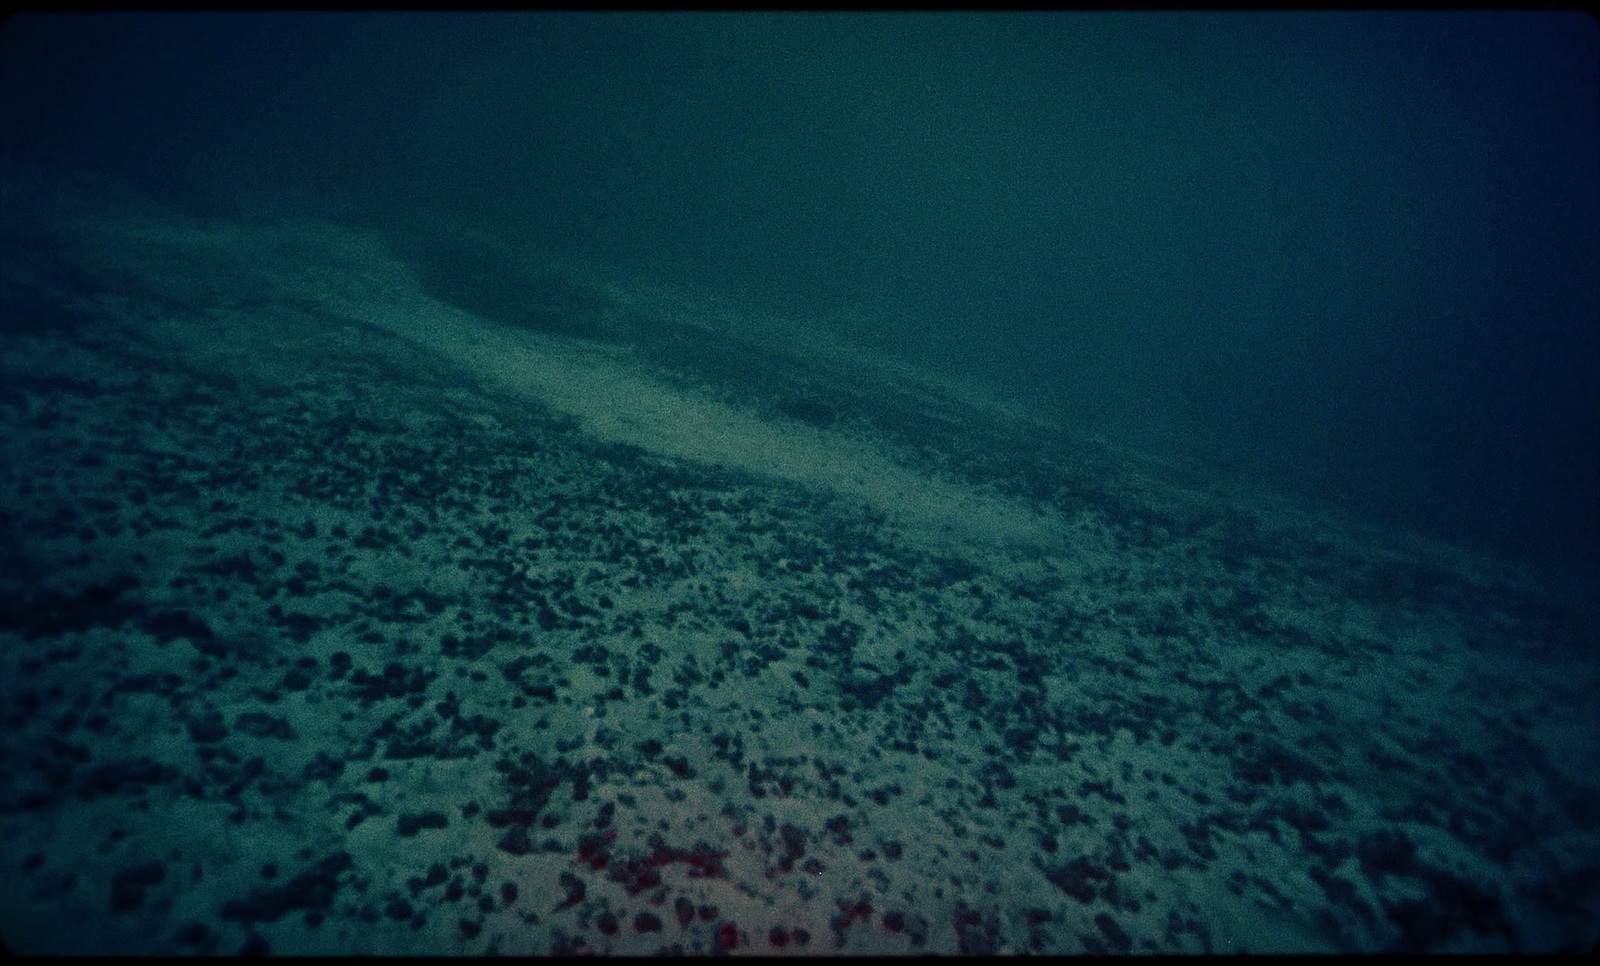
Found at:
<point>1352,254</point>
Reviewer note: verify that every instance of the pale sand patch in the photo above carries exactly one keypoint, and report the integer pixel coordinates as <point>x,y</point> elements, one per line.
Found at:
<point>609,390</point>
<point>618,401</point>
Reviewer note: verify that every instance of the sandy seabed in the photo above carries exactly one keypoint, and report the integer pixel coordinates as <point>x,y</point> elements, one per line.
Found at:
<point>339,618</point>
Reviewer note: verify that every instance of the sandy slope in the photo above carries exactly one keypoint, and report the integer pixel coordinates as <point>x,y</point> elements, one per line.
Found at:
<point>340,619</point>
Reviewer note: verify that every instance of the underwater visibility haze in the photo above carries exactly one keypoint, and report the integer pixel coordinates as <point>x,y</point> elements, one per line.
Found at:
<point>799,483</point>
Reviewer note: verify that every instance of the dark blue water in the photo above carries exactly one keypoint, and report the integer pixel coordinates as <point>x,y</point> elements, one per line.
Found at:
<point>1352,255</point>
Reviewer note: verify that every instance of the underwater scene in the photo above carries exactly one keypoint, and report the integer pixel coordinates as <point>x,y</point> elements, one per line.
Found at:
<point>381,580</point>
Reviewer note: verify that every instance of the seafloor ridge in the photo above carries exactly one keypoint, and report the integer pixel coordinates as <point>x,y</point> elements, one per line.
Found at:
<point>358,600</point>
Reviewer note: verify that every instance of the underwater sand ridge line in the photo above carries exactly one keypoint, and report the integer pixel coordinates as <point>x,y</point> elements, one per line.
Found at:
<point>615,397</point>
<point>613,391</point>
<point>617,402</point>
<point>1089,874</point>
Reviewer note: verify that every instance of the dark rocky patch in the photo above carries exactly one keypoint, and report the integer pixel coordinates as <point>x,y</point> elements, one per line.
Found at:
<point>52,614</point>
<point>408,824</point>
<point>258,724</point>
<point>396,681</point>
<point>313,890</point>
<point>1259,763</point>
<point>126,777</point>
<point>1077,877</point>
<point>1451,906</point>
<point>128,885</point>
<point>1386,852</point>
<point>324,767</point>
<point>1119,940</point>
